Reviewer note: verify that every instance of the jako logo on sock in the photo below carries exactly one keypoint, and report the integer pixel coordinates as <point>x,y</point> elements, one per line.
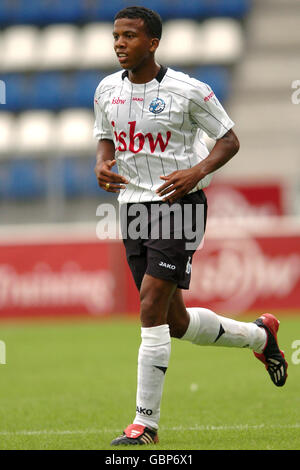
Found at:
<point>143,411</point>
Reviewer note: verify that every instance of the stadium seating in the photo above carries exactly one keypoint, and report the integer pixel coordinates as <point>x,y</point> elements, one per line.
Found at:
<point>56,90</point>
<point>223,41</point>
<point>18,48</point>
<point>43,12</point>
<point>6,134</point>
<point>22,179</point>
<point>65,47</point>
<point>96,48</point>
<point>180,43</point>
<point>35,133</point>
<point>79,178</point>
<point>74,132</point>
<point>58,47</point>
<point>54,54</point>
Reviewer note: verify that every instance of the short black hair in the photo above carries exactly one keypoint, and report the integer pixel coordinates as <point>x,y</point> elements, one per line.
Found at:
<point>152,20</point>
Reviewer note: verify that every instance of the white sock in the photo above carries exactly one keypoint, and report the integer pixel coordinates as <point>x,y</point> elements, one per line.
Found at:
<point>208,328</point>
<point>153,360</point>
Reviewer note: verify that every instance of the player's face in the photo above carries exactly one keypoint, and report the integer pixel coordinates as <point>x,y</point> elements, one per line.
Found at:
<point>132,44</point>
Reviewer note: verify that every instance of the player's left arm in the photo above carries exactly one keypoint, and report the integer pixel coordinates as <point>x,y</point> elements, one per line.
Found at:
<point>180,182</point>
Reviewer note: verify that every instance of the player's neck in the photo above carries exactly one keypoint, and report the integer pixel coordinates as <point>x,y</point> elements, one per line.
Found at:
<point>144,74</point>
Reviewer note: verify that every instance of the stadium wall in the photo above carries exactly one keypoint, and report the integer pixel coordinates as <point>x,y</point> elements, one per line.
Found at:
<point>66,271</point>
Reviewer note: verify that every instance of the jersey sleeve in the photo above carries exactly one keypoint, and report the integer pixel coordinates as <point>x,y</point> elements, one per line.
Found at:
<point>207,112</point>
<point>102,127</point>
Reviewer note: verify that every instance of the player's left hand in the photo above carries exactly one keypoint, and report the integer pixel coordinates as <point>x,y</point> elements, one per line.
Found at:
<point>178,183</point>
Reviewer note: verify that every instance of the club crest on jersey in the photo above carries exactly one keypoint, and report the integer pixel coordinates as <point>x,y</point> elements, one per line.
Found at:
<point>157,106</point>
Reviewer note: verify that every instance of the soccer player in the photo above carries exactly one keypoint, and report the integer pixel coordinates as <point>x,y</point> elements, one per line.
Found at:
<point>148,119</point>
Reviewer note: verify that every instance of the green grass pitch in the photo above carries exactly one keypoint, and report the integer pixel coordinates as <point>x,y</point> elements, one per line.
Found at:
<point>72,384</point>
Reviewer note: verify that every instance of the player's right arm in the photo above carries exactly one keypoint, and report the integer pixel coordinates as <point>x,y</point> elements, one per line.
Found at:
<point>104,162</point>
<point>105,154</point>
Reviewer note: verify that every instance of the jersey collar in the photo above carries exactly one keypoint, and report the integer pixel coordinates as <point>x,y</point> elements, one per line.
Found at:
<point>162,72</point>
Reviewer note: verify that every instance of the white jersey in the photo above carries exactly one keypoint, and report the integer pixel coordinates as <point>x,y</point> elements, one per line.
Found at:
<point>157,127</point>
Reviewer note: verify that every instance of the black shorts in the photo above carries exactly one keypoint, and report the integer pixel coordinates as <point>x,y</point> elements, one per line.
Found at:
<point>161,238</point>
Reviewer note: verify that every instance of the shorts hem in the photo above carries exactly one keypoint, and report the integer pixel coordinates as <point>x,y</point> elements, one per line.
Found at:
<point>166,278</point>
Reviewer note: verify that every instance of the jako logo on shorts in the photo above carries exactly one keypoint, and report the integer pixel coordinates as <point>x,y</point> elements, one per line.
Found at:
<point>166,265</point>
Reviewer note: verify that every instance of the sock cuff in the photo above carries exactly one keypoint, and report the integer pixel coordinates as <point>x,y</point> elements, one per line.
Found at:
<point>193,327</point>
<point>156,335</point>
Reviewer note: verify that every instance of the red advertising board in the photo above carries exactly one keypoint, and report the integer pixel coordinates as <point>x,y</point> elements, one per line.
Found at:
<point>235,275</point>
<point>56,279</point>
<point>248,200</point>
<point>231,275</point>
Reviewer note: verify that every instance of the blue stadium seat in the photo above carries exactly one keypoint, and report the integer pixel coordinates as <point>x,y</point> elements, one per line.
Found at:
<point>4,178</point>
<point>38,91</point>
<point>79,178</point>
<point>42,12</point>
<point>198,9</point>
<point>18,91</point>
<point>28,12</point>
<point>86,84</point>
<point>52,90</point>
<point>62,11</point>
<point>105,11</point>
<point>55,90</point>
<point>169,9</point>
<point>231,8</point>
<point>218,78</point>
<point>7,9</point>
<point>24,179</point>
<point>102,10</point>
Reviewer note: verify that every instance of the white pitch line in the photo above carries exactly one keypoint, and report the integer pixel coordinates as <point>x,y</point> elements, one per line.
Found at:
<point>57,432</point>
<point>237,427</point>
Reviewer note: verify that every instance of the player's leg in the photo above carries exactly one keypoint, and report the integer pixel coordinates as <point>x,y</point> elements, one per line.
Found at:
<point>155,348</point>
<point>202,326</point>
<point>178,317</point>
<point>153,360</point>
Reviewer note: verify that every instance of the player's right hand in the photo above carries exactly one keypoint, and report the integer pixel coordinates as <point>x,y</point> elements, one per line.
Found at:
<point>107,179</point>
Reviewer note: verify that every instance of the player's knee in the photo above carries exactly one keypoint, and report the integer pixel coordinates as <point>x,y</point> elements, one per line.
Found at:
<point>149,313</point>
<point>178,328</point>
<point>153,308</point>
<point>155,295</point>
<point>178,318</point>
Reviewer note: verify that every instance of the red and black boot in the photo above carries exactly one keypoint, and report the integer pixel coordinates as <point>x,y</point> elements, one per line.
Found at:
<point>272,356</point>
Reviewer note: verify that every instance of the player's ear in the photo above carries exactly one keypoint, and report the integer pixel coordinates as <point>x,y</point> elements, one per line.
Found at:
<point>154,43</point>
